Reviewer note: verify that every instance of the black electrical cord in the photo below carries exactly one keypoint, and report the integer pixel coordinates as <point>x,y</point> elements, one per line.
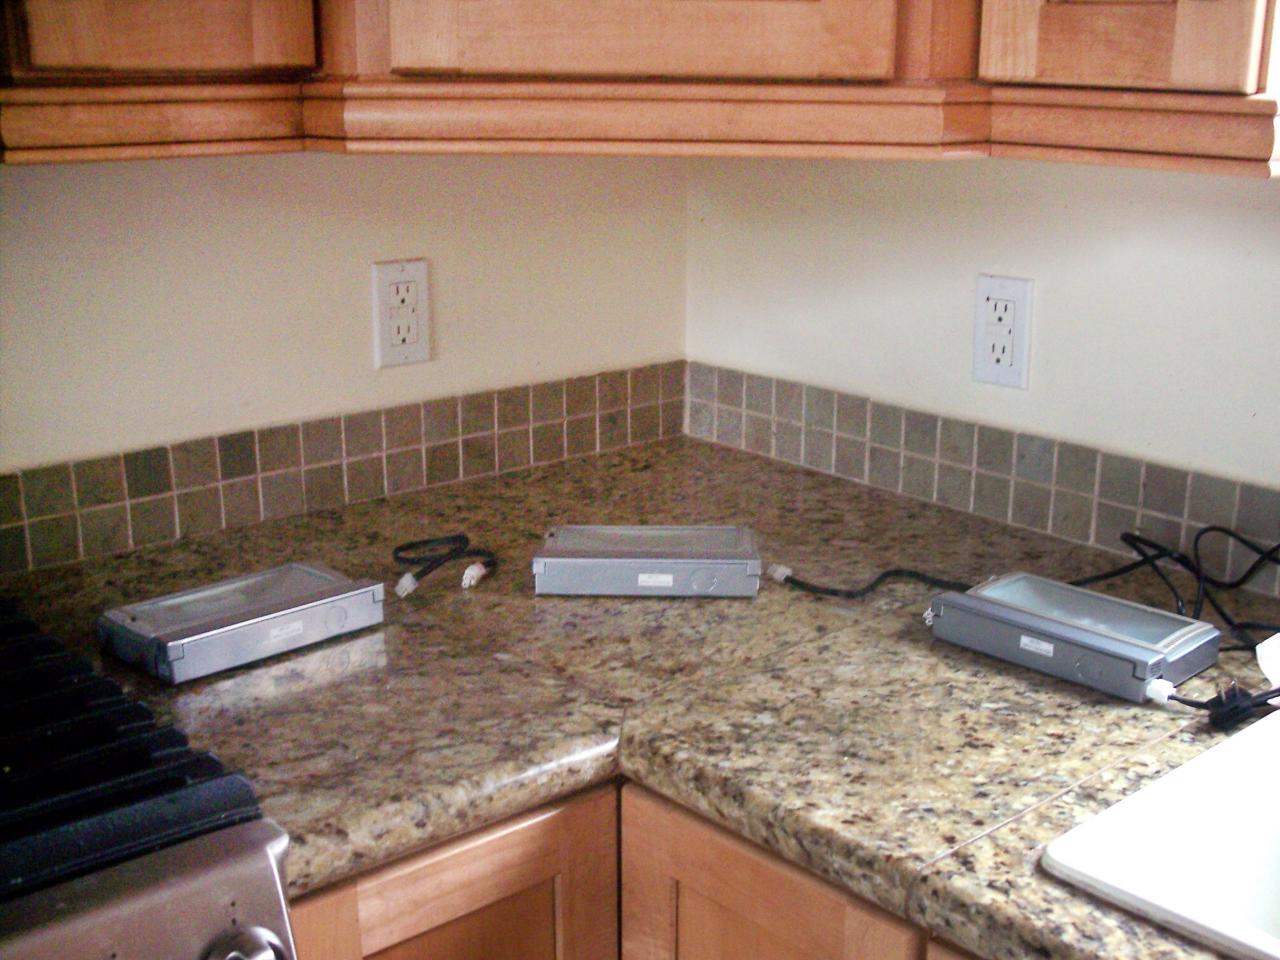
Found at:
<point>427,556</point>
<point>784,575</point>
<point>1229,706</point>
<point>1150,553</point>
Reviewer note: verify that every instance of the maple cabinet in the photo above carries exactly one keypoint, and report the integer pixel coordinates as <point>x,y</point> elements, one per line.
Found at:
<point>757,39</point>
<point>692,891</point>
<point>670,77</point>
<point>937,950</point>
<point>72,38</point>
<point>119,79</point>
<point>1173,84</point>
<point>1194,45</point>
<point>748,40</point>
<point>541,886</point>
<point>1176,84</point>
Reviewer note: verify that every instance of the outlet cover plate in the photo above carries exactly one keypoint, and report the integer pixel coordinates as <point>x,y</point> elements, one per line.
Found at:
<point>401,313</point>
<point>1002,331</point>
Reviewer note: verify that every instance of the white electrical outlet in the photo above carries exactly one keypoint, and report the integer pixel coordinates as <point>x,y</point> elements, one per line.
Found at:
<point>1002,331</point>
<point>401,313</point>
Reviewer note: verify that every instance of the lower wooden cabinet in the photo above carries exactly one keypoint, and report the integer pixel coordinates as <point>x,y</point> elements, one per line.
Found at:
<point>938,950</point>
<point>541,886</point>
<point>544,886</point>
<point>692,891</point>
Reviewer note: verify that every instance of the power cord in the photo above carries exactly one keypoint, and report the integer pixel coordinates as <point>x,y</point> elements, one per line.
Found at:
<point>783,574</point>
<point>1150,553</point>
<point>1231,705</point>
<point>427,556</point>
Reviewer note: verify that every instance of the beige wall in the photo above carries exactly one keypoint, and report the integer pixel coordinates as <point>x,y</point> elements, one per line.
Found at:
<point>1156,327</point>
<point>147,302</point>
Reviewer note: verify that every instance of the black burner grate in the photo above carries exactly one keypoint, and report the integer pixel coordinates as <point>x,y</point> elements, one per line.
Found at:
<point>87,777</point>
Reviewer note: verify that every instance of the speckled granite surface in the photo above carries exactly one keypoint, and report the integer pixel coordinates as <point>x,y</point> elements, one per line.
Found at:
<point>912,773</point>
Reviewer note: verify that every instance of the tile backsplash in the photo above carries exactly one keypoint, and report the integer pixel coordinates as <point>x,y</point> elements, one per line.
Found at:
<point>1065,489</point>
<point>69,511</point>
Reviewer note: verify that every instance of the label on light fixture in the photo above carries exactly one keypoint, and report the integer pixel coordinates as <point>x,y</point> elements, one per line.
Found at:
<point>1036,645</point>
<point>655,580</point>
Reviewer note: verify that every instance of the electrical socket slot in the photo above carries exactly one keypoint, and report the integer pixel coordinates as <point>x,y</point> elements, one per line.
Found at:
<point>401,318</point>
<point>1002,331</point>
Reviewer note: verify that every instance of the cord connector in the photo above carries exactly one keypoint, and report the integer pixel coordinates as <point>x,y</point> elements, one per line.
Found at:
<point>406,585</point>
<point>1160,690</point>
<point>474,574</point>
<point>778,572</point>
<point>1231,706</point>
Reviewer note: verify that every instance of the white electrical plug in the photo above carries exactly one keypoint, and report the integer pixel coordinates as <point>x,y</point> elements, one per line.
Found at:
<point>778,572</point>
<point>473,575</point>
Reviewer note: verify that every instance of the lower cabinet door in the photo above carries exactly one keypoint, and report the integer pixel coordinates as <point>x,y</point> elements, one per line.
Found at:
<point>692,891</point>
<point>542,886</point>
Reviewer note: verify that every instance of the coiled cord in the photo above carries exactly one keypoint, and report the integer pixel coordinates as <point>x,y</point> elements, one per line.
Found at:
<point>427,556</point>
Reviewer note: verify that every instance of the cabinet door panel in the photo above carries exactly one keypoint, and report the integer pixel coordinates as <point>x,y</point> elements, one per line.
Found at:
<point>709,931</point>
<point>541,886</point>
<point>1209,45</point>
<point>521,927</point>
<point>692,891</point>
<point>808,39</point>
<point>137,36</point>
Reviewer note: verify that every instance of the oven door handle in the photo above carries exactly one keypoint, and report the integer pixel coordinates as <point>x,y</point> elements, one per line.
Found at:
<point>246,943</point>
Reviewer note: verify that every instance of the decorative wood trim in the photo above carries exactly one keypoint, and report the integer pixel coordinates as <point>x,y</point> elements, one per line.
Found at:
<point>1142,161</point>
<point>1213,133</point>
<point>1139,129</point>
<point>648,114</point>
<point>807,151</point>
<point>149,93</point>
<point>53,124</point>
<point>1135,100</point>
<point>117,124</point>
<point>150,151</point>
<point>960,92</point>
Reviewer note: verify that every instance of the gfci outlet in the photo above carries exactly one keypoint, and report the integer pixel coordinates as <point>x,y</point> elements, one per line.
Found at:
<point>1002,331</point>
<point>401,315</point>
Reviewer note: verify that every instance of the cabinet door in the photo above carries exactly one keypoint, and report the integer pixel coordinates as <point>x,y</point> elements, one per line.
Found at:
<point>798,39</point>
<point>542,886</point>
<point>161,36</point>
<point>692,891</point>
<point>1207,45</point>
<point>941,951</point>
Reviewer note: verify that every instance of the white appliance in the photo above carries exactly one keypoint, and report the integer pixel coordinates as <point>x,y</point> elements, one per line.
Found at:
<point>1197,850</point>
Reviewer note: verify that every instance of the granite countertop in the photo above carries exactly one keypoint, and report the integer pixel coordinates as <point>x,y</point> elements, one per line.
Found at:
<point>915,774</point>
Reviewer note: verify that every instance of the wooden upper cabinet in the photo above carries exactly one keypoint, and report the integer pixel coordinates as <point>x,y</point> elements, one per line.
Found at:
<point>51,38</point>
<point>758,39</point>
<point>1194,45</point>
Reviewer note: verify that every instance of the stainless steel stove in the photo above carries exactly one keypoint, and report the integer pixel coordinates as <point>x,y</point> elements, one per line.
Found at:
<point>117,840</point>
